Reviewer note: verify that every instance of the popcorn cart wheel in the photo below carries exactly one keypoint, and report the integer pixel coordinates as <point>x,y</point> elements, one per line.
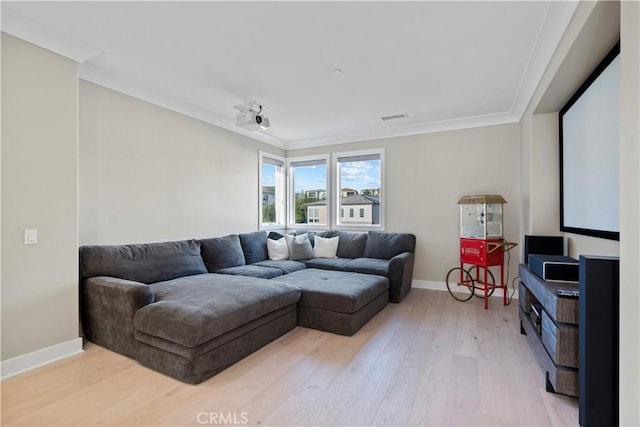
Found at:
<point>460,284</point>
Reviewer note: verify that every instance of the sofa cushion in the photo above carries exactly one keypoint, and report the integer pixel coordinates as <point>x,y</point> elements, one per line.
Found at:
<point>369,266</point>
<point>193,310</point>
<point>387,245</point>
<point>221,252</point>
<point>254,246</point>
<point>146,263</point>
<point>338,291</point>
<point>299,247</point>
<point>337,264</point>
<point>351,245</point>
<point>286,266</point>
<point>252,271</point>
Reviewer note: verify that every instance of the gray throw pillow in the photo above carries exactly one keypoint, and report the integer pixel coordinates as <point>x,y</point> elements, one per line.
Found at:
<point>299,247</point>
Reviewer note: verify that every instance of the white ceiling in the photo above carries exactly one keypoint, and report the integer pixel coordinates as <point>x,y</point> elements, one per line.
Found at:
<point>446,65</point>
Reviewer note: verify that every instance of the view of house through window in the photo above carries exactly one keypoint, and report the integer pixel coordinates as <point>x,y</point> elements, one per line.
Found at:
<point>360,182</point>
<point>308,181</point>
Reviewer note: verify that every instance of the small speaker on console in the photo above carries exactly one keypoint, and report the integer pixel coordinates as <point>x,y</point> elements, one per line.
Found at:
<point>554,268</point>
<point>543,245</point>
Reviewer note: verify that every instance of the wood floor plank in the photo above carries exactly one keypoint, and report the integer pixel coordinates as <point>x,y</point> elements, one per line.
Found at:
<point>429,360</point>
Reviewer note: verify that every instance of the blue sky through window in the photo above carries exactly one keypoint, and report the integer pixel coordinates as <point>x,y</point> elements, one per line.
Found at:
<point>268,175</point>
<point>360,175</point>
<point>356,175</point>
<point>310,178</point>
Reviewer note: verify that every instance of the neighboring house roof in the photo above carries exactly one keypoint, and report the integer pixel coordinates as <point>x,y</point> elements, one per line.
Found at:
<point>356,199</point>
<point>359,199</point>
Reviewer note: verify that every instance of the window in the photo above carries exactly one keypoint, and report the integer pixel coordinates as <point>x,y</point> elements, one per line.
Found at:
<point>272,190</point>
<point>313,193</point>
<point>307,191</point>
<point>313,215</point>
<point>359,184</point>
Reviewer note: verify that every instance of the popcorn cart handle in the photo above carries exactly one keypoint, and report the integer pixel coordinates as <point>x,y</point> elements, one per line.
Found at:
<point>493,246</point>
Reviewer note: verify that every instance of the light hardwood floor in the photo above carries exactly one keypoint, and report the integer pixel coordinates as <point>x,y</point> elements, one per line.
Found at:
<point>429,360</point>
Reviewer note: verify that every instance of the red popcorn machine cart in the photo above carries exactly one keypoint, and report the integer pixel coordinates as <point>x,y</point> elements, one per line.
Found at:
<point>482,246</point>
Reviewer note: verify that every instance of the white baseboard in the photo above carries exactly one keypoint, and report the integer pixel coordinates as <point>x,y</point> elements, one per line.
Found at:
<point>29,361</point>
<point>442,286</point>
<point>429,284</point>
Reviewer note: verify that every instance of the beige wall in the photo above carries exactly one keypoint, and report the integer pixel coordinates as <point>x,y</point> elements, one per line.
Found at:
<point>150,174</point>
<point>39,190</point>
<point>427,174</point>
<point>630,215</point>
<point>545,188</point>
<point>526,147</point>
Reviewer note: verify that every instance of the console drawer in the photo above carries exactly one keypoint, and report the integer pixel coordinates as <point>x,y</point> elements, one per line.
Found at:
<point>561,341</point>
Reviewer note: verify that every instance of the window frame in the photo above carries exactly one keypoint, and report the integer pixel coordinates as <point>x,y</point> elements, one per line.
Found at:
<point>336,193</point>
<point>280,191</point>
<point>291,163</point>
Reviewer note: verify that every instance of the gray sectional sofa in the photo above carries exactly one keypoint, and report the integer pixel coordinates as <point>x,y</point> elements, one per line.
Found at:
<point>191,308</point>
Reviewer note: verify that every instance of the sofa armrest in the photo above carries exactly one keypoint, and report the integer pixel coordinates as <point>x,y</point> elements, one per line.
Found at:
<point>109,306</point>
<point>400,275</point>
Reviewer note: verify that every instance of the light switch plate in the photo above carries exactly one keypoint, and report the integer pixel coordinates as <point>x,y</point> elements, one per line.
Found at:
<point>31,236</point>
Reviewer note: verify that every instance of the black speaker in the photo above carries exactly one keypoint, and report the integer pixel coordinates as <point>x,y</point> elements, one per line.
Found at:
<point>542,245</point>
<point>598,341</point>
<point>554,268</point>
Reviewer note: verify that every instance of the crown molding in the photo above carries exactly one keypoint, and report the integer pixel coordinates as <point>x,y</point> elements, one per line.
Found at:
<point>416,129</point>
<point>24,28</point>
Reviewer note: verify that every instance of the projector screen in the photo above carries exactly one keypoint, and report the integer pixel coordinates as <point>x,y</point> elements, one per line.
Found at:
<point>590,154</point>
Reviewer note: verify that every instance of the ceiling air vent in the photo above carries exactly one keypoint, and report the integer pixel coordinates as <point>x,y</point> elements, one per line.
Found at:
<point>393,117</point>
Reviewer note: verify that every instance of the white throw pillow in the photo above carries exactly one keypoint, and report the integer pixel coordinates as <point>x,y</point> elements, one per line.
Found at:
<point>326,247</point>
<point>278,249</point>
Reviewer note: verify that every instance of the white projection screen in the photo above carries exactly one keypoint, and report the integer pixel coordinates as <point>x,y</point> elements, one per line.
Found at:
<point>590,154</point>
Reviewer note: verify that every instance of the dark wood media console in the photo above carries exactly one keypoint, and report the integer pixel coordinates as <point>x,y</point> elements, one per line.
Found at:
<point>551,325</point>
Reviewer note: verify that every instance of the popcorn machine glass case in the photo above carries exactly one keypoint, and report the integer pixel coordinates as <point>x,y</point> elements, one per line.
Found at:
<point>481,217</point>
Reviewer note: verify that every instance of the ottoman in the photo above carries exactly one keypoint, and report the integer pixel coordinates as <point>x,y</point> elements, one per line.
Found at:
<point>337,301</point>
